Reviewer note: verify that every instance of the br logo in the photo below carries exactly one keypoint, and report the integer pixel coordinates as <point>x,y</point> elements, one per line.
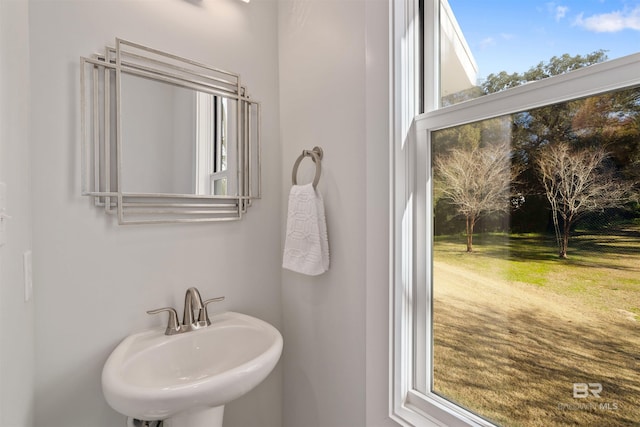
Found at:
<point>583,390</point>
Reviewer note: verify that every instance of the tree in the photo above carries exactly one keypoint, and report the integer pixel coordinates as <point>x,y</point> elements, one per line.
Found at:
<point>477,181</point>
<point>555,66</point>
<point>609,122</point>
<point>577,181</point>
<point>550,124</point>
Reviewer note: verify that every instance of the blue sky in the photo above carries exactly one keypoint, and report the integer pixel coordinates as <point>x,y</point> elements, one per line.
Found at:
<point>513,35</point>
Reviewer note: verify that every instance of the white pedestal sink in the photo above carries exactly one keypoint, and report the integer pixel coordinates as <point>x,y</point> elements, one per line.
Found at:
<point>186,379</point>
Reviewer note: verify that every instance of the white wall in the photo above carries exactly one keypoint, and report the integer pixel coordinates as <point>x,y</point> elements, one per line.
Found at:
<point>16,316</point>
<point>378,109</point>
<point>93,279</point>
<point>334,93</point>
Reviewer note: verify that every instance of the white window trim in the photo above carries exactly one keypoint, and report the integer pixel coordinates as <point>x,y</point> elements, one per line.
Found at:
<point>205,133</point>
<point>410,290</point>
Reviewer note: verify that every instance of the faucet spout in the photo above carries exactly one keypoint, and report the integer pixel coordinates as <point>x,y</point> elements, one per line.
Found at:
<point>192,299</point>
<point>190,322</point>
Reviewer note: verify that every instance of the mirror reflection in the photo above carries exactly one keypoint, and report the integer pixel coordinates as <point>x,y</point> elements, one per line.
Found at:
<point>177,140</point>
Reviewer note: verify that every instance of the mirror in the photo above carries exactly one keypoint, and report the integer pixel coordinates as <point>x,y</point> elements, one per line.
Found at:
<point>166,139</point>
<point>177,139</point>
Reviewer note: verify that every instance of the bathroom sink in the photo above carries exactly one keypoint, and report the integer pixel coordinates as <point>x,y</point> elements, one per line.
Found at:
<point>153,376</point>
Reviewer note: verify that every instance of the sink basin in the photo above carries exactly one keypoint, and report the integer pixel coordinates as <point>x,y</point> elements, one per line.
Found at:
<point>152,376</point>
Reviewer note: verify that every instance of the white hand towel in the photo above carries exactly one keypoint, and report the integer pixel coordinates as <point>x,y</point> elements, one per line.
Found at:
<point>306,246</point>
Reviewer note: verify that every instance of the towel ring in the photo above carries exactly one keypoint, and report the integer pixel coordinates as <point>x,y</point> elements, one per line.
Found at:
<point>316,155</point>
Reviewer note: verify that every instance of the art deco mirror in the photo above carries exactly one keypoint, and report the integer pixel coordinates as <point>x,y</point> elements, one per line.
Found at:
<point>167,139</point>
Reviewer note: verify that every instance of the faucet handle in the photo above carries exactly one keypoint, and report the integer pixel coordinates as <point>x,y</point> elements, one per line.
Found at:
<point>210,300</point>
<point>173,327</point>
<point>203,316</point>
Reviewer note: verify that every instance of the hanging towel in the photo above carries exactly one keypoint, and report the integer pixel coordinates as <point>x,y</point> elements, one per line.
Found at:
<point>306,246</point>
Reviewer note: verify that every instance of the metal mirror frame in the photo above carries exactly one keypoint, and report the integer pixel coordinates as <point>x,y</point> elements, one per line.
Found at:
<point>100,80</point>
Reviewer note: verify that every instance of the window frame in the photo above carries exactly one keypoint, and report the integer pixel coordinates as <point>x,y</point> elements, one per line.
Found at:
<point>411,228</point>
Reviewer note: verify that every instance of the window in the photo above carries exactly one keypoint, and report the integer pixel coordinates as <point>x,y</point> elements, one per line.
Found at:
<point>214,121</point>
<point>510,332</point>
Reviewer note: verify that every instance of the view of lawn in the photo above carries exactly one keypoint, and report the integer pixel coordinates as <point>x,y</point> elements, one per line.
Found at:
<point>536,258</point>
<point>515,327</point>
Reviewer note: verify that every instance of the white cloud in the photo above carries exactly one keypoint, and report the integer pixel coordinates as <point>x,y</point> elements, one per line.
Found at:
<point>561,11</point>
<point>558,12</point>
<point>611,22</point>
<point>487,42</point>
<point>491,41</point>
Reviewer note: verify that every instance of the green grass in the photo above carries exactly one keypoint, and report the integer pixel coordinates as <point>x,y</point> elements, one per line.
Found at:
<point>597,263</point>
<point>515,326</point>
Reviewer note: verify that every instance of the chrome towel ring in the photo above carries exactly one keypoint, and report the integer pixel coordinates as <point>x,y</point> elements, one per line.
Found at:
<point>316,155</point>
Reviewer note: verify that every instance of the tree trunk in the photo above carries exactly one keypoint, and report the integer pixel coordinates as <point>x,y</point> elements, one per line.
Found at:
<point>471,222</point>
<point>566,227</point>
<point>556,226</point>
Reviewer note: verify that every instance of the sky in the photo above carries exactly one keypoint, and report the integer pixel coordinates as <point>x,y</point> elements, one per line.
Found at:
<point>514,35</point>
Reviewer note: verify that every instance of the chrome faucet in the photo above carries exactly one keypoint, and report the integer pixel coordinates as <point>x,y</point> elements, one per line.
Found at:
<point>192,300</point>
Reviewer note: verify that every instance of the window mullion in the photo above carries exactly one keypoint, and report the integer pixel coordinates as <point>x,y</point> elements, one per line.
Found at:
<point>608,76</point>
<point>431,49</point>
<point>440,411</point>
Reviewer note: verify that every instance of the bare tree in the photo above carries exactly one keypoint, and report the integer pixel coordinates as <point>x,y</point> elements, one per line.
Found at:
<point>476,181</point>
<point>577,182</point>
